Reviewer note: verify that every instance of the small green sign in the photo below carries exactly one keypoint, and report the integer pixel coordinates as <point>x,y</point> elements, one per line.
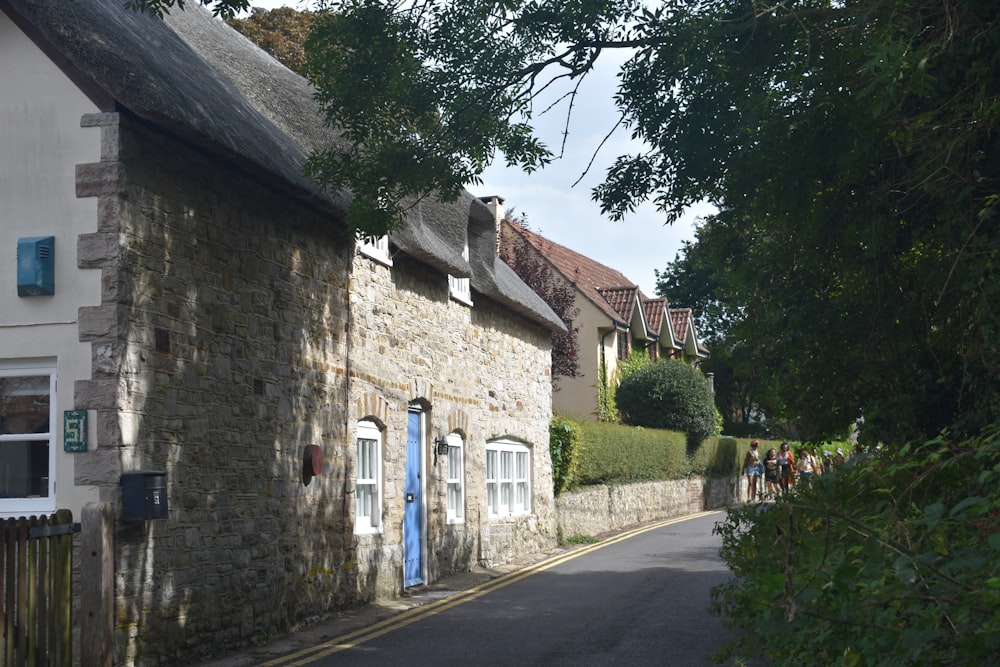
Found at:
<point>75,430</point>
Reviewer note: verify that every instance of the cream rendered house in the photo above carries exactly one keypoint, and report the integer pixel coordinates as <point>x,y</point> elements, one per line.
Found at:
<point>613,318</point>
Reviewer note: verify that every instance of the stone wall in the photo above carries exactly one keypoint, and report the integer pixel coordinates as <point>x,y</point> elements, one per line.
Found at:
<point>237,327</point>
<point>599,509</point>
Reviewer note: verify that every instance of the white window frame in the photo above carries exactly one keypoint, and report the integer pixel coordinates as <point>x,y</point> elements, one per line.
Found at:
<point>508,478</point>
<point>459,288</point>
<point>455,479</point>
<point>375,248</point>
<point>37,505</point>
<point>368,479</point>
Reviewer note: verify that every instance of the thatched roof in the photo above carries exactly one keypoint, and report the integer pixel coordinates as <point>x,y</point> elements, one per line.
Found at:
<point>196,77</point>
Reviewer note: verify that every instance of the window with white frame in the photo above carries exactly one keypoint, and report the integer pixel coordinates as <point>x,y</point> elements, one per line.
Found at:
<point>455,479</point>
<point>459,287</point>
<point>508,478</point>
<point>27,434</point>
<point>368,482</point>
<point>376,248</point>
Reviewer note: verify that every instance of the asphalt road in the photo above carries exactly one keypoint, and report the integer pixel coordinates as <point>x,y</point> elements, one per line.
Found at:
<point>639,598</point>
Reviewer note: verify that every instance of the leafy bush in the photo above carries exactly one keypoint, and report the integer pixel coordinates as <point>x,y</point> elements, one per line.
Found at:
<point>717,457</point>
<point>670,395</point>
<point>616,454</point>
<point>607,408</point>
<point>607,411</point>
<point>564,447</point>
<point>636,361</point>
<point>892,560</point>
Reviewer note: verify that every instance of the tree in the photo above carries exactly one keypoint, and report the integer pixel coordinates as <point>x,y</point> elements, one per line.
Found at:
<point>694,279</point>
<point>281,32</point>
<point>849,145</point>
<point>559,294</point>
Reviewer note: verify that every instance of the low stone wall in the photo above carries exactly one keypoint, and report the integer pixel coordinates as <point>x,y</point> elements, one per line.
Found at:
<point>601,508</point>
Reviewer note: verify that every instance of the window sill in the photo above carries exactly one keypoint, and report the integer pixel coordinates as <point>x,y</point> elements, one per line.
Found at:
<point>375,256</point>
<point>464,299</point>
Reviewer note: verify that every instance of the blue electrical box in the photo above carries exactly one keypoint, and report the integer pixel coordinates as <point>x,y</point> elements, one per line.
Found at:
<point>36,266</point>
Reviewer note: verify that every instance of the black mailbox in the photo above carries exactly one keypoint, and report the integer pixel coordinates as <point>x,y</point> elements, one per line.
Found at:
<point>144,496</point>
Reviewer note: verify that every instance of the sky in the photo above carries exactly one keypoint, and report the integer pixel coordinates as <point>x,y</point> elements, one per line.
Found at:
<point>565,213</point>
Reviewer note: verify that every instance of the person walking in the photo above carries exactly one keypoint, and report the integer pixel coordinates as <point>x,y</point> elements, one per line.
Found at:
<point>806,467</point>
<point>772,473</point>
<point>752,467</point>
<point>786,461</point>
<point>817,463</point>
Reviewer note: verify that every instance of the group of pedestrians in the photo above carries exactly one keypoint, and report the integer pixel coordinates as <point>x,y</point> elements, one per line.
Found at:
<point>779,470</point>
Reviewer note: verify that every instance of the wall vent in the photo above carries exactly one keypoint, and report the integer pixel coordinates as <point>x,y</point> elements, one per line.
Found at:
<point>36,259</point>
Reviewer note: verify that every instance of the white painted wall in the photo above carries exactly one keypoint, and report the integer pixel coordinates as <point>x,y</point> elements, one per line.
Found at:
<point>41,142</point>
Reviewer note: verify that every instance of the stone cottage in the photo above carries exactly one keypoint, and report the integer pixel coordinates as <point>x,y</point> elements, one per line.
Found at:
<point>255,419</point>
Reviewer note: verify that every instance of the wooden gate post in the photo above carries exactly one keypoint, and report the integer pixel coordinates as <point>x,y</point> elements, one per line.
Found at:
<point>97,588</point>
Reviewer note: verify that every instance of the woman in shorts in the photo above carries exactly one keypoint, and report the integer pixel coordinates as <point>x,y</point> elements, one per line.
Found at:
<point>751,465</point>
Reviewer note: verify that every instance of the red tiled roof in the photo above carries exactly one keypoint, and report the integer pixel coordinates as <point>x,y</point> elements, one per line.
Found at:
<point>655,310</point>
<point>622,299</point>
<point>597,282</point>
<point>680,319</point>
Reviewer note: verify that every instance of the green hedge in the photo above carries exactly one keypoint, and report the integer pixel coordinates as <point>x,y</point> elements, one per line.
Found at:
<point>894,560</point>
<point>588,452</point>
<point>616,454</point>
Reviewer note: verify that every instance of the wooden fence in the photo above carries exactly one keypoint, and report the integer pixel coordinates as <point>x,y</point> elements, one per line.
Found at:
<point>36,565</point>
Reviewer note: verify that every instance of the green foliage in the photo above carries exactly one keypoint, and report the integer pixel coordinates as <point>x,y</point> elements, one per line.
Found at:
<point>742,385</point>
<point>225,8</point>
<point>852,150</point>
<point>424,94</point>
<point>616,454</point>
<point>581,539</point>
<point>281,32</point>
<point>717,457</point>
<point>607,404</point>
<point>636,361</point>
<point>849,146</point>
<point>895,559</point>
<point>564,446</point>
<point>669,394</point>
<point>607,410</point>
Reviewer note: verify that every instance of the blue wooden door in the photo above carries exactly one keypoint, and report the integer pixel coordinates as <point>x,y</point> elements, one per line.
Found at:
<point>413,572</point>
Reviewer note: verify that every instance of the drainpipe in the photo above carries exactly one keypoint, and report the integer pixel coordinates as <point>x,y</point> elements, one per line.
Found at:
<point>604,361</point>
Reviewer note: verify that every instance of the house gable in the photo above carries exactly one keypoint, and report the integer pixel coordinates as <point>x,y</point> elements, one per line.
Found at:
<point>682,323</point>
<point>615,319</point>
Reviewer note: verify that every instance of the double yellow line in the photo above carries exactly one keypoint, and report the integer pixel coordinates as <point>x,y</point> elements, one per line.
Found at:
<point>410,616</point>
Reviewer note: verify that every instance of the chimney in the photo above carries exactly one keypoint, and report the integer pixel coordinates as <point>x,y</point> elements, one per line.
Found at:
<point>495,204</point>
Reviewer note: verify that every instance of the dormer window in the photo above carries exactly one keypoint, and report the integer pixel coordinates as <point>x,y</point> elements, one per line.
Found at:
<point>375,248</point>
<point>458,288</point>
